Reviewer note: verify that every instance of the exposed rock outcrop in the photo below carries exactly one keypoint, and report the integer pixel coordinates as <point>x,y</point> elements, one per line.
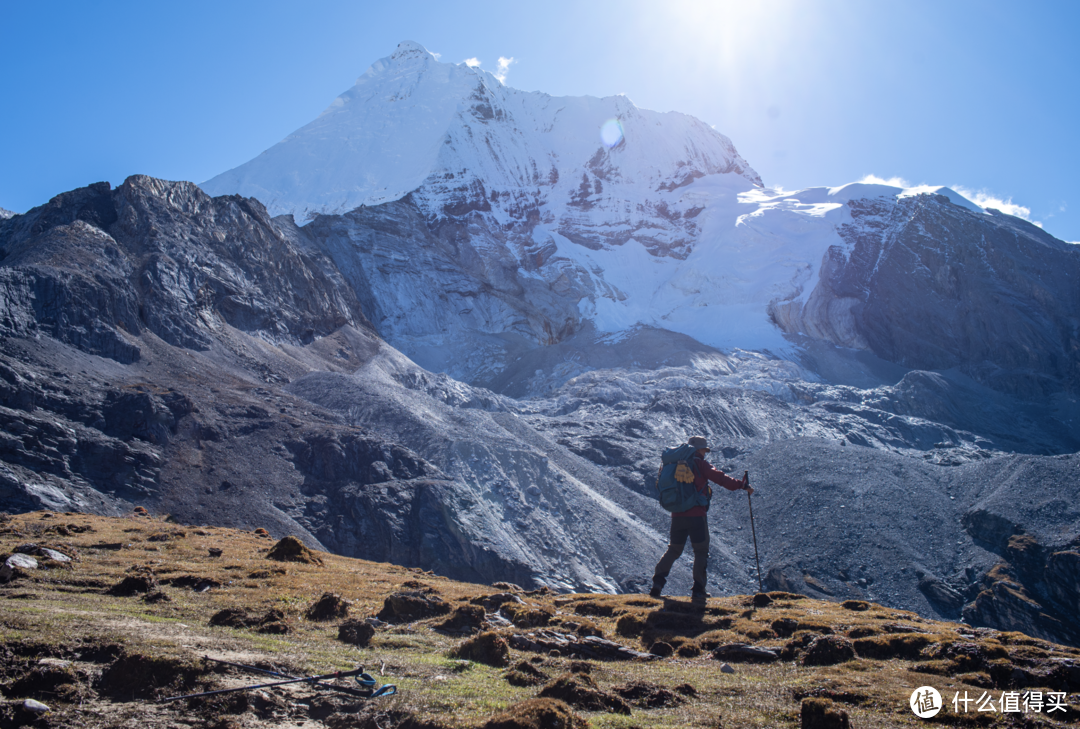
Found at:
<point>95,267</point>
<point>929,284</point>
<point>339,440</point>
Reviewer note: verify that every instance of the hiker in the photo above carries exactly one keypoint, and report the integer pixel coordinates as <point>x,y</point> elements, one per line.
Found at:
<point>693,523</point>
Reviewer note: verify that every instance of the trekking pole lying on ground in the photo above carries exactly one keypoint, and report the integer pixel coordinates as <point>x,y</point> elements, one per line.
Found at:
<point>362,677</point>
<point>746,480</point>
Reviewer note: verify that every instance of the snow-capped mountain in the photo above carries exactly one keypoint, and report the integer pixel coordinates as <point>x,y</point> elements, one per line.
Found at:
<point>484,222</point>
<point>4,214</point>
<point>359,380</point>
<point>452,131</point>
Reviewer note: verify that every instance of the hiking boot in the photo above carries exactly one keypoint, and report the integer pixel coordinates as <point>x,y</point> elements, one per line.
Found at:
<point>699,596</point>
<point>655,592</point>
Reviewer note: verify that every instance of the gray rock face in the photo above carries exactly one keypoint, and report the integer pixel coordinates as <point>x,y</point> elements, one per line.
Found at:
<point>932,285</point>
<point>95,267</point>
<point>193,356</point>
<point>523,508</point>
<point>456,276</point>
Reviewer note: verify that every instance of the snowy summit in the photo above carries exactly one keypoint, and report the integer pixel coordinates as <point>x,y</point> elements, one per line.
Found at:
<point>412,121</point>
<point>584,212</point>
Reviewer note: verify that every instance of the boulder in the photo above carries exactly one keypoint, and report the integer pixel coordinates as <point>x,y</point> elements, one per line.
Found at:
<point>54,555</point>
<point>744,653</point>
<point>16,565</point>
<point>589,646</point>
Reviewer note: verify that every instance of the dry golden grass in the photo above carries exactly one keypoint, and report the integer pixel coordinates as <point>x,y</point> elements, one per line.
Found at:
<point>69,612</point>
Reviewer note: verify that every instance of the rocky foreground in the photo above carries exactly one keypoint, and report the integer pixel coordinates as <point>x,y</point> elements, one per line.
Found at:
<point>105,617</point>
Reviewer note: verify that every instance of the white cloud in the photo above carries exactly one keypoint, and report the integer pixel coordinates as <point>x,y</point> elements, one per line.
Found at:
<point>472,62</point>
<point>986,200</point>
<point>504,68</point>
<point>891,182</point>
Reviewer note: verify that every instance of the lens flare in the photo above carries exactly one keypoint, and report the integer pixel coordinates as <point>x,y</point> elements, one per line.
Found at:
<point>611,132</point>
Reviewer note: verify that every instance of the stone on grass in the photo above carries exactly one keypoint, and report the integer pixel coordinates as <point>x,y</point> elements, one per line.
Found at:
<point>54,555</point>
<point>35,707</point>
<point>16,566</point>
<point>744,653</point>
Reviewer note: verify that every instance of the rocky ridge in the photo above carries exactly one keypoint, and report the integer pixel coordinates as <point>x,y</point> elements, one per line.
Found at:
<point>196,356</point>
<point>921,280</point>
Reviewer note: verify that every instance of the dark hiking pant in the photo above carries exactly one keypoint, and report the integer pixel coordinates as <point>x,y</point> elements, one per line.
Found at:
<point>697,529</point>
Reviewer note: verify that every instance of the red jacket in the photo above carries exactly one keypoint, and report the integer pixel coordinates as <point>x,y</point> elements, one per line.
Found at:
<point>703,473</point>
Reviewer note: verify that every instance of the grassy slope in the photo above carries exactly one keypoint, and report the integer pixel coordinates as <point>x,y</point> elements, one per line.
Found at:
<point>68,614</point>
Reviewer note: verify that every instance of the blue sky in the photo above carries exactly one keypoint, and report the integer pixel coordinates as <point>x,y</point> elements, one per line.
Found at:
<point>981,96</point>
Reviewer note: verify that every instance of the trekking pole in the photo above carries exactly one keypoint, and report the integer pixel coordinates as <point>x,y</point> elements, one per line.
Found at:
<point>384,691</point>
<point>363,679</point>
<point>746,480</point>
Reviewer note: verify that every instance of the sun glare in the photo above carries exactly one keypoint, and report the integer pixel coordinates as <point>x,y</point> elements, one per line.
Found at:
<point>611,132</point>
